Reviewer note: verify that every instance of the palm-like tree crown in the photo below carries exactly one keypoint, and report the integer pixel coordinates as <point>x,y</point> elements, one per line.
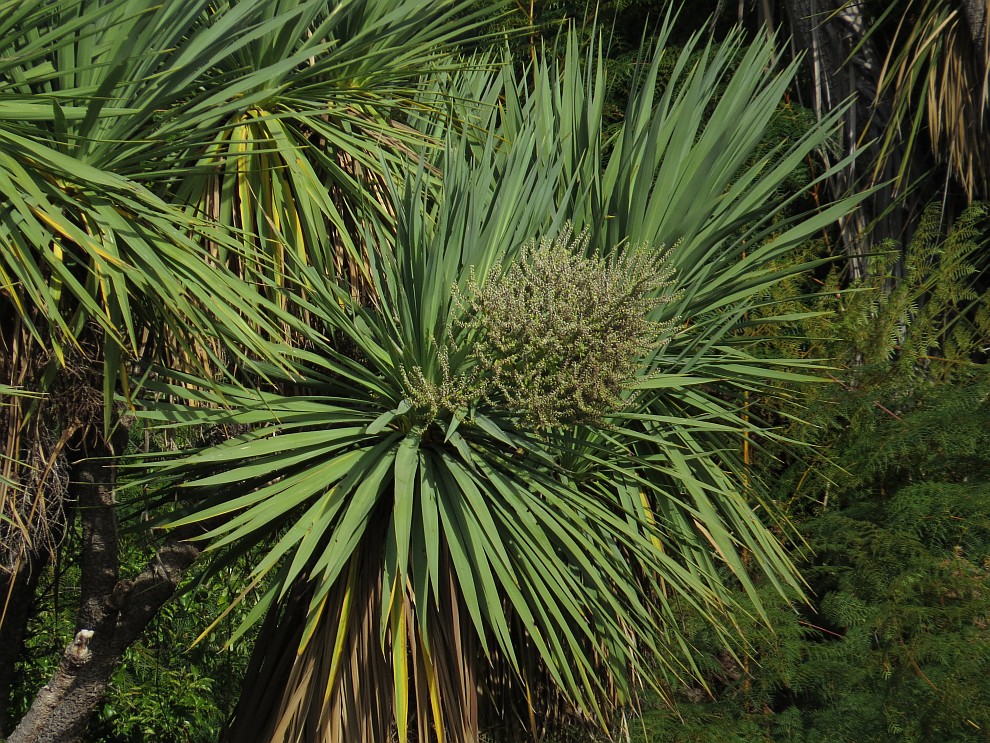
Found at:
<point>424,522</point>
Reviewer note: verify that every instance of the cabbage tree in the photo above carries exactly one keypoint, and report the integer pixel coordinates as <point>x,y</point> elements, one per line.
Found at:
<point>497,482</point>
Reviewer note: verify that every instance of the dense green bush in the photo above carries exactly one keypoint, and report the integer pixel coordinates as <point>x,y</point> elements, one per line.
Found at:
<point>895,646</point>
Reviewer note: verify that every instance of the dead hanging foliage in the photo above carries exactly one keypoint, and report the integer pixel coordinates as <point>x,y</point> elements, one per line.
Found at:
<point>346,677</point>
<point>37,433</point>
<point>937,73</point>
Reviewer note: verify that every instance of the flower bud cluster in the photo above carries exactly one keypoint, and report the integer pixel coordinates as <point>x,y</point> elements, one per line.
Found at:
<point>453,392</point>
<point>557,335</point>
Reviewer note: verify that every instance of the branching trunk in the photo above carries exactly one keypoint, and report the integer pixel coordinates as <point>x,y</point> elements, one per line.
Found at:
<point>112,613</point>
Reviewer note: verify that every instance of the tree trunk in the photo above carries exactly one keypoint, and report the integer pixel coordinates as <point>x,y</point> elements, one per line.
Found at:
<point>16,594</point>
<point>844,64</point>
<point>828,31</point>
<point>976,19</point>
<point>112,612</point>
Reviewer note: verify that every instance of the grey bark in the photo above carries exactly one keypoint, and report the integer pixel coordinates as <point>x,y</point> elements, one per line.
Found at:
<point>976,19</point>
